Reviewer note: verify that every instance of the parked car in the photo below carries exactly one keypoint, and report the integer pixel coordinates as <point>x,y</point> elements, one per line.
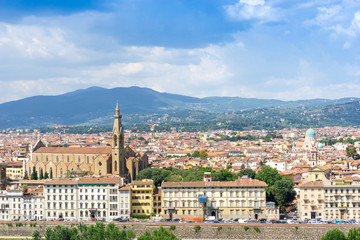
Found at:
<point>217,221</point>
<point>93,219</point>
<point>61,219</point>
<point>263,220</point>
<point>243,220</point>
<point>176,220</point>
<point>124,220</point>
<point>101,220</point>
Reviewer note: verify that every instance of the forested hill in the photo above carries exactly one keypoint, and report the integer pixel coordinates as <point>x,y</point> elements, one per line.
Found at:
<point>95,106</point>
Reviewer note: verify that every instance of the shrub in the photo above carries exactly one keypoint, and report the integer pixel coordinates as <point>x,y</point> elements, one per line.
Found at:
<point>140,216</point>
<point>9,224</point>
<point>219,228</point>
<point>296,228</point>
<point>172,228</point>
<point>334,234</point>
<point>229,228</point>
<point>197,228</point>
<point>246,228</point>
<point>353,234</point>
<point>257,229</point>
<point>36,235</point>
<point>124,226</point>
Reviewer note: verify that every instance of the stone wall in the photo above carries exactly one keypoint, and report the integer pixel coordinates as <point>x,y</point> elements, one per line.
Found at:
<point>207,231</point>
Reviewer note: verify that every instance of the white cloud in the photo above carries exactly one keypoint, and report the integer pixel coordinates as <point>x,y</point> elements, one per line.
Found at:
<point>252,9</point>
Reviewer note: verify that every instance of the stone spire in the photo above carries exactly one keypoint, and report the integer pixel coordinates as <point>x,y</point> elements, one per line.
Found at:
<point>117,108</point>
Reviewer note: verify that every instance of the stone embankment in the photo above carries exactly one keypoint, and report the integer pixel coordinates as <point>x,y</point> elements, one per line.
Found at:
<point>206,231</point>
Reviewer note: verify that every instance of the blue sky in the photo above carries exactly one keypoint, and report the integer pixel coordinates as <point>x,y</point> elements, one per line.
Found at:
<point>279,49</point>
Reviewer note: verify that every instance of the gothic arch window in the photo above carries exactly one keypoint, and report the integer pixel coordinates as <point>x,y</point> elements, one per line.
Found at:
<point>115,167</point>
<point>88,159</point>
<point>68,158</point>
<point>47,158</point>
<point>29,170</point>
<point>79,158</point>
<point>37,159</point>
<point>115,140</point>
<point>61,172</point>
<point>57,158</point>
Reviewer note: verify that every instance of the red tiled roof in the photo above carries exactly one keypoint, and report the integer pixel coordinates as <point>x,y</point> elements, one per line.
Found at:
<point>75,150</point>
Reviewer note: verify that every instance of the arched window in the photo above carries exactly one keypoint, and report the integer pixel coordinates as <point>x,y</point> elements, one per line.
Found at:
<point>115,140</point>
<point>68,158</point>
<point>61,172</point>
<point>88,159</point>
<point>57,158</point>
<point>79,158</point>
<point>37,159</point>
<point>115,167</point>
<point>47,159</point>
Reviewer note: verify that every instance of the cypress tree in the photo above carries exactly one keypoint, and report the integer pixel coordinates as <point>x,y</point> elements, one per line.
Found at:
<point>41,174</point>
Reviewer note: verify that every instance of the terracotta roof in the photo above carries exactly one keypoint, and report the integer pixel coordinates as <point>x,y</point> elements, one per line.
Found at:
<point>311,184</point>
<point>125,188</point>
<point>142,182</point>
<point>236,183</point>
<point>75,150</point>
<point>61,182</point>
<point>113,179</point>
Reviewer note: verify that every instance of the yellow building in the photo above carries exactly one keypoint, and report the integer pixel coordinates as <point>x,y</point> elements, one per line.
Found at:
<point>142,197</point>
<point>14,170</point>
<point>157,201</point>
<point>243,198</point>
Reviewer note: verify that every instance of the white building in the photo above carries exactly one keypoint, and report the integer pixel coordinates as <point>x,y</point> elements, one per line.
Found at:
<point>85,198</point>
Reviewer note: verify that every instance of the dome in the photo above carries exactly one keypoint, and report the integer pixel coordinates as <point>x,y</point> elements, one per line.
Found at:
<point>320,145</point>
<point>310,132</point>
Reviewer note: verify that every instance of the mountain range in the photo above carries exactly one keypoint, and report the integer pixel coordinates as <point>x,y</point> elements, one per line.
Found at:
<point>96,105</point>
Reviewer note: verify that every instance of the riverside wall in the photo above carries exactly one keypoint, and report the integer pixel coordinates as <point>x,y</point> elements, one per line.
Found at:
<point>207,231</point>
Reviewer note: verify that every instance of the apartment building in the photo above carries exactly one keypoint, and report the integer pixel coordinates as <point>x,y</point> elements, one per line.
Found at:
<point>321,198</point>
<point>243,198</point>
<point>142,197</point>
<point>83,198</point>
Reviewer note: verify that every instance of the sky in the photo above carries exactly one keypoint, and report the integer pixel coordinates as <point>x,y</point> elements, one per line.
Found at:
<point>280,49</point>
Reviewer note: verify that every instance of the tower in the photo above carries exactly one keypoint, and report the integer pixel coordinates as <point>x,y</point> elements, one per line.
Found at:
<point>118,151</point>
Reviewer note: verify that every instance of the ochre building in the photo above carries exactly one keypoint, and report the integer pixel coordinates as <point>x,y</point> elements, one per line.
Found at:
<point>58,162</point>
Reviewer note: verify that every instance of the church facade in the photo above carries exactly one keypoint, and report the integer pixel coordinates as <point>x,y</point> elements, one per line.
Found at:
<point>58,162</point>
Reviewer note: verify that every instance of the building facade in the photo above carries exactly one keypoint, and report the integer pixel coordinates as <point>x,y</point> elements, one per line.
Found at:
<point>142,193</point>
<point>119,160</point>
<point>243,198</point>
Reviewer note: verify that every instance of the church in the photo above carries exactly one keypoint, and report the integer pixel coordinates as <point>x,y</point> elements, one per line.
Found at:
<point>114,160</point>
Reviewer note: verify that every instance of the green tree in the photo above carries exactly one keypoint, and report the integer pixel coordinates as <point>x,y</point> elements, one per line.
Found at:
<point>203,154</point>
<point>247,172</point>
<point>158,234</point>
<point>46,176</point>
<point>268,174</point>
<point>34,175</point>
<point>36,235</point>
<point>26,175</point>
<point>223,175</point>
<point>51,173</point>
<point>283,192</point>
<point>334,234</point>
<point>196,154</point>
<point>351,152</point>
<point>41,176</point>
<point>354,234</point>
<point>70,174</point>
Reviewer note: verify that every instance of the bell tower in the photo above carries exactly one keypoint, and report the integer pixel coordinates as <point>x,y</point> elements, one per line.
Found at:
<point>118,152</point>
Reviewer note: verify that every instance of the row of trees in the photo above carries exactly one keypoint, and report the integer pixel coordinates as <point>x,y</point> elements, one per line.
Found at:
<point>100,232</point>
<point>36,176</point>
<point>280,188</point>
